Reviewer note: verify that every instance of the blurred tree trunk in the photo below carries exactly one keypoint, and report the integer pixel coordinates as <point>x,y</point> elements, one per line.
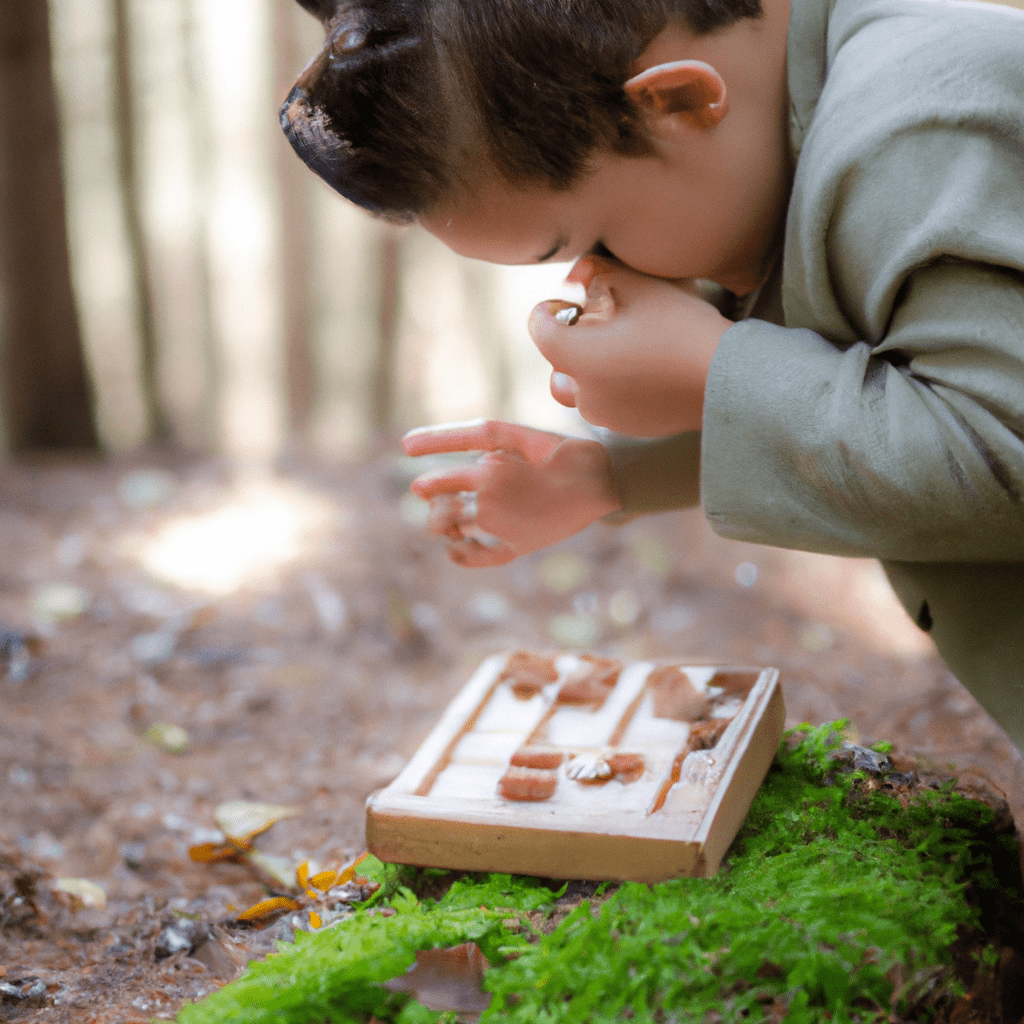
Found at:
<point>47,401</point>
<point>127,136</point>
<point>296,242</point>
<point>201,142</point>
<point>383,371</point>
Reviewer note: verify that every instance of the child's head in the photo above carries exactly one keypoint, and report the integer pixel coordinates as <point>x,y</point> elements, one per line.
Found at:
<point>411,99</point>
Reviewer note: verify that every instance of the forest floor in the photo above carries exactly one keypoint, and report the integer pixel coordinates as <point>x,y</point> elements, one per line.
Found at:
<point>305,633</point>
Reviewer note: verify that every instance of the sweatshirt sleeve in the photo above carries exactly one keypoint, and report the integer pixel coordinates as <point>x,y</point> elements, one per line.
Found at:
<point>655,474</point>
<point>909,450</point>
<point>887,418</point>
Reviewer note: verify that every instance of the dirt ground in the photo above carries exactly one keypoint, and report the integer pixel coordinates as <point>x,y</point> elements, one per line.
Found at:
<point>305,632</point>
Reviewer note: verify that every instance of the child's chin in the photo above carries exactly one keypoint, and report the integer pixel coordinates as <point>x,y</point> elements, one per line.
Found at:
<point>563,389</point>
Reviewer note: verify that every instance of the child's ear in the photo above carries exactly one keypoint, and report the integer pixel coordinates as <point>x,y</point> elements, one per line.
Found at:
<point>687,89</point>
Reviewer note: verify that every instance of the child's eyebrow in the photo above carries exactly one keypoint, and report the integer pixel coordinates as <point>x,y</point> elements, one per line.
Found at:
<point>560,243</point>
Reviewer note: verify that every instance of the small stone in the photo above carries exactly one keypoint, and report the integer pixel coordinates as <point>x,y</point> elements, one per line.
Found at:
<point>172,738</point>
<point>867,760</point>
<point>329,605</point>
<point>564,571</point>
<point>59,602</point>
<point>488,607</point>
<point>22,990</point>
<point>673,618</point>
<point>71,550</point>
<point>624,608</point>
<point>18,776</point>
<point>574,631</point>
<point>653,554</point>
<point>171,941</point>
<point>43,846</point>
<point>817,638</point>
<point>146,488</point>
<point>153,648</point>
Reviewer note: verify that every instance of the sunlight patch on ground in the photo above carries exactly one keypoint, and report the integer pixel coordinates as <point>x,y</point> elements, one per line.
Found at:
<point>259,528</point>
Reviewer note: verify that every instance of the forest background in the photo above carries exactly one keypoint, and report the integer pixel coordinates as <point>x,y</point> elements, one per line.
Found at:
<point>171,273</point>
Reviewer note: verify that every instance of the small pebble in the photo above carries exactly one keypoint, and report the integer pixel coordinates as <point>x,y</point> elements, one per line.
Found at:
<point>146,488</point>
<point>488,607</point>
<point>817,638</point>
<point>624,608</point>
<point>673,618</point>
<point>172,738</point>
<point>59,602</point>
<point>574,631</point>
<point>653,555</point>
<point>564,571</point>
<point>153,648</point>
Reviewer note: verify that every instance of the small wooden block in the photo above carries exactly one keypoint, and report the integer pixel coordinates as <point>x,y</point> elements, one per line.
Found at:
<point>649,778</point>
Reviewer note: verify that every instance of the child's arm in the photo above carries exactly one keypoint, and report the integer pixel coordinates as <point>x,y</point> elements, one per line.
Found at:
<point>532,488</point>
<point>635,362</point>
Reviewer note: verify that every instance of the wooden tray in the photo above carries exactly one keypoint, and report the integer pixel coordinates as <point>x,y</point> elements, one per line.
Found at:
<point>575,766</point>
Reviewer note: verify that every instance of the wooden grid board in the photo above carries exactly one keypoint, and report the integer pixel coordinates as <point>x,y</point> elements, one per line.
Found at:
<point>577,766</point>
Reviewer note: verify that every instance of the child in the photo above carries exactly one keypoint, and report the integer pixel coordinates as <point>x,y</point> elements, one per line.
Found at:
<point>849,172</point>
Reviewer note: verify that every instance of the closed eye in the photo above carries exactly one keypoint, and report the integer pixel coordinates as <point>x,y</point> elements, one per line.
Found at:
<point>600,249</point>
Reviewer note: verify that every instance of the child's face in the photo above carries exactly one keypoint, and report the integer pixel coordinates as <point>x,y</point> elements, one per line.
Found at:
<point>710,207</point>
<point>709,204</point>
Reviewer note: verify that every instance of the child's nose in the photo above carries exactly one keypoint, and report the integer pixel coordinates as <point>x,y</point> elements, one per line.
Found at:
<point>587,268</point>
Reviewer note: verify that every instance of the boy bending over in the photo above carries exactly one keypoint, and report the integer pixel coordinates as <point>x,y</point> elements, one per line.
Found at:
<point>846,175</point>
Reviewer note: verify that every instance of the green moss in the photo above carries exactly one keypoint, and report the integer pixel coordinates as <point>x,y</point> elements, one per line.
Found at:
<point>831,883</point>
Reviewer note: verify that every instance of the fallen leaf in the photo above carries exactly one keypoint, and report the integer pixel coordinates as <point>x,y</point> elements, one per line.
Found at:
<point>280,869</point>
<point>214,853</point>
<point>446,979</point>
<point>243,819</point>
<point>265,907</point>
<point>84,894</point>
<point>327,880</point>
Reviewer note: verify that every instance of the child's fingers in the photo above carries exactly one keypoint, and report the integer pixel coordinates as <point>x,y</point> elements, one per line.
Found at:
<point>481,435</point>
<point>445,515</point>
<point>448,481</point>
<point>570,349</point>
<point>586,268</point>
<point>444,437</point>
<point>471,553</point>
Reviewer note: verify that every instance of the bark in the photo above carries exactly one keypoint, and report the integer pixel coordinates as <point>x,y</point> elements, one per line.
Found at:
<point>47,399</point>
<point>127,135</point>
<point>383,383</point>
<point>296,245</point>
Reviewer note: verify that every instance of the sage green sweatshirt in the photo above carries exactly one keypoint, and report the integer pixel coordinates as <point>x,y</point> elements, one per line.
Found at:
<point>872,404</point>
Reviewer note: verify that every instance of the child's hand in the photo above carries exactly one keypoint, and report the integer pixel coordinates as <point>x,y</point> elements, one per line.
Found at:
<point>532,488</point>
<point>637,358</point>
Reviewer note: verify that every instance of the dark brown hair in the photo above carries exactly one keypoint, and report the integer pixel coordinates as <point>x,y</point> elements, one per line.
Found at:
<point>409,99</point>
